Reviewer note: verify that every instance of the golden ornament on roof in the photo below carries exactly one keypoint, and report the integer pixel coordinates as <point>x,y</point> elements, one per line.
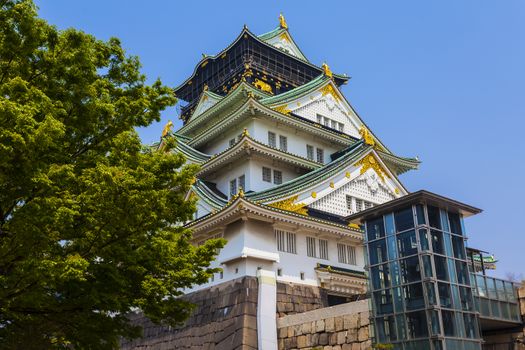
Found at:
<point>290,205</point>
<point>367,137</point>
<point>167,128</point>
<point>282,22</point>
<point>263,86</point>
<point>326,70</point>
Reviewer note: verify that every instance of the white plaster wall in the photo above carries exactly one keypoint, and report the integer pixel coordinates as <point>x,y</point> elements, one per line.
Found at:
<point>223,179</point>
<point>222,142</point>
<point>256,181</point>
<point>261,236</point>
<point>297,140</point>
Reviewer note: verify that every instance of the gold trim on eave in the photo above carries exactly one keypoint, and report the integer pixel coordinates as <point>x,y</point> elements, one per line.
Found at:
<point>282,109</point>
<point>290,205</point>
<point>371,162</point>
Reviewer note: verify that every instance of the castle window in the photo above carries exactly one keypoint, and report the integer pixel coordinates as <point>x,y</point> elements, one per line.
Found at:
<point>283,143</point>
<point>349,202</point>
<point>233,187</point>
<point>279,272</point>
<point>310,152</point>
<point>320,155</point>
<point>272,140</point>
<point>277,177</point>
<point>320,119</point>
<point>326,122</point>
<point>286,241</point>
<point>310,247</point>
<point>341,127</point>
<point>346,254</point>
<point>323,249</point>
<point>266,174</point>
<point>242,182</point>
<point>333,124</point>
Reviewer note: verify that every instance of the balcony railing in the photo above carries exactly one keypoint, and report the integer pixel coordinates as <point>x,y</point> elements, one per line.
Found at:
<point>495,298</point>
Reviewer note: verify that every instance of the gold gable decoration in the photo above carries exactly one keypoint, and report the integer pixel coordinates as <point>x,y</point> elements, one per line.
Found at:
<point>329,90</point>
<point>371,162</point>
<point>290,205</point>
<point>367,137</point>
<point>167,128</point>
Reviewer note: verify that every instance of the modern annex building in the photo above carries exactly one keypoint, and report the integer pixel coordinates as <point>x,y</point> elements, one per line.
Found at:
<point>287,169</point>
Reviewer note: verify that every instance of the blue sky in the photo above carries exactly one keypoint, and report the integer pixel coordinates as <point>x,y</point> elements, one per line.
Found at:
<point>443,80</point>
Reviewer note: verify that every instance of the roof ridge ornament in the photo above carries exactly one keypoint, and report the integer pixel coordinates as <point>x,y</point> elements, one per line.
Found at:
<point>326,70</point>
<point>282,22</point>
<point>167,128</point>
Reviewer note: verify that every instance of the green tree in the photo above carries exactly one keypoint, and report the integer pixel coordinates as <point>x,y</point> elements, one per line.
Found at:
<point>90,220</point>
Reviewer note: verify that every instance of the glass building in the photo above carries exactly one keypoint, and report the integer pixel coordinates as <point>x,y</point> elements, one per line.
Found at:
<point>422,296</point>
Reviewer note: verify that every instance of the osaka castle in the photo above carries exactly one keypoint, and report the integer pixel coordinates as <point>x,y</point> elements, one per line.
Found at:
<point>286,167</point>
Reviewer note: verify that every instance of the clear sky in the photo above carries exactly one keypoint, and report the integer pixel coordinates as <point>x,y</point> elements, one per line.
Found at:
<point>442,80</point>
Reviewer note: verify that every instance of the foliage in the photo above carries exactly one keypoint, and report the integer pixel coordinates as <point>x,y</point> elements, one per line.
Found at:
<point>89,219</point>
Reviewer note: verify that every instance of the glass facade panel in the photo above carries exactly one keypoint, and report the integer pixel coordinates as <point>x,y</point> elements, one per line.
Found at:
<point>444,220</point>
<point>455,223</point>
<point>431,293</point>
<point>389,222</point>
<point>434,219</point>
<point>462,272</point>
<point>414,298</point>
<point>449,323</point>
<point>420,212</point>
<point>444,295</point>
<point>377,251</point>
<point>427,266</point>
<point>438,245</point>
<point>404,219</point>
<point>395,273</point>
<point>410,271</point>
<point>407,243</point>
<point>380,276</point>
<point>417,324</point>
<point>375,229</point>
<point>423,239</point>
<point>458,245</point>
<point>440,263</point>
<point>471,326</point>
<point>465,296</point>
<point>398,299</point>
<point>383,302</point>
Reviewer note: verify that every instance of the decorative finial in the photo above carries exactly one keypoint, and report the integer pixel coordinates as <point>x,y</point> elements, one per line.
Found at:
<point>326,70</point>
<point>204,55</point>
<point>282,22</point>
<point>205,88</point>
<point>245,132</point>
<point>167,128</point>
<point>241,193</point>
<point>365,134</point>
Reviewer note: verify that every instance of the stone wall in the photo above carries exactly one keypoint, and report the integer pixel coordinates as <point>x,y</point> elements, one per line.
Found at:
<point>225,318</point>
<point>341,327</point>
<point>297,298</point>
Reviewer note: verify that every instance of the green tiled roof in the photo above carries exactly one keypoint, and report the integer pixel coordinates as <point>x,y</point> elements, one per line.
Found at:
<point>313,177</point>
<point>297,92</point>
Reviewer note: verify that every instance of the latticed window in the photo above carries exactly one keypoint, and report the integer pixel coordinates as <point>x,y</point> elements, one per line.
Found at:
<point>320,155</point>
<point>286,241</point>
<point>341,127</point>
<point>310,247</point>
<point>277,177</point>
<point>320,119</point>
<point>323,249</point>
<point>333,124</point>
<point>266,174</point>
<point>283,143</point>
<point>349,202</point>
<point>272,141</point>
<point>310,152</point>
<point>346,254</point>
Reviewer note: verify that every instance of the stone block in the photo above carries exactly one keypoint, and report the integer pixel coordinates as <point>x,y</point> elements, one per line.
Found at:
<point>319,326</point>
<point>323,339</point>
<point>306,328</point>
<point>356,346</point>
<point>341,337</point>
<point>350,321</point>
<point>339,323</point>
<point>301,341</point>
<point>367,345</point>
<point>329,324</point>
<point>333,339</point>
<point>282,332</point>
<point>346,346</point>
<point>362,334</point>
